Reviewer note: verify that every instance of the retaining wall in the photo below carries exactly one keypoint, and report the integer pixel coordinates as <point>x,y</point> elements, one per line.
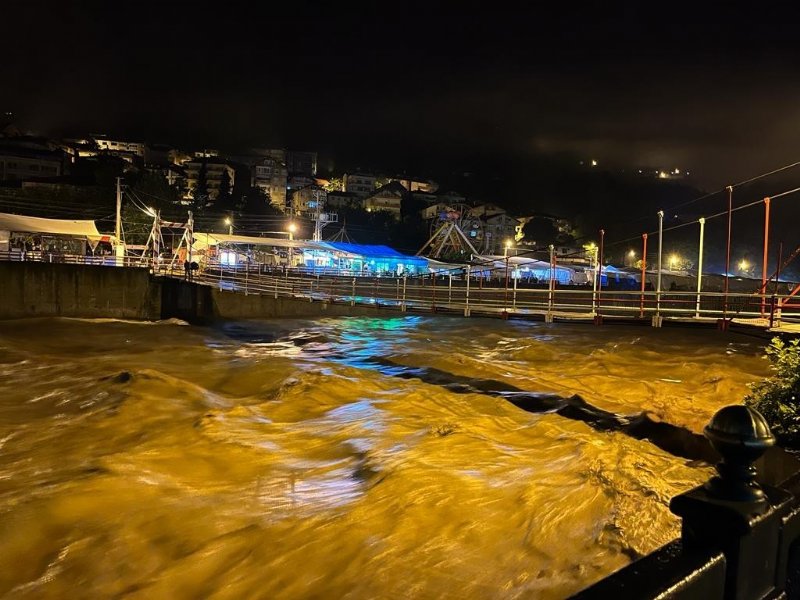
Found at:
<point>33,289</point>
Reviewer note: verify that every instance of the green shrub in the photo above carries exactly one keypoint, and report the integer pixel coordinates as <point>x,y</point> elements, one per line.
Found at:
<point>777,397</point>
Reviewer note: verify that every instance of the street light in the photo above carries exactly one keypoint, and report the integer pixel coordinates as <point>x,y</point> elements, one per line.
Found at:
<point>291,228</point>
<point>673,261</point>
<point>506,247</point>
<point>229,223</point>
<point>744,265</point>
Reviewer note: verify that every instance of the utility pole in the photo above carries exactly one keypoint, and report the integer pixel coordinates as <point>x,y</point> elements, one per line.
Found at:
<point>118,225</point>
<point>657,318</point>
<point>702,222</point>
<point>317,216</point>
<point>190,242</point>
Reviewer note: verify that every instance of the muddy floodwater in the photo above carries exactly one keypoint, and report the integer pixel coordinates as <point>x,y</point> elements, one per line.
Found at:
<point>341,458</point>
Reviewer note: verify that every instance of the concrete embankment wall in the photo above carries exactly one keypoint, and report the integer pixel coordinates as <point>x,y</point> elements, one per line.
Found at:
<point>31,289</point>
<point>203,304</point>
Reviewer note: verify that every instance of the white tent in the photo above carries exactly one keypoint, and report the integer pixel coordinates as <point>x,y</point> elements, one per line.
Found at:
<point>26,224</point>
<point>525,266</point>
<point>11,224</point>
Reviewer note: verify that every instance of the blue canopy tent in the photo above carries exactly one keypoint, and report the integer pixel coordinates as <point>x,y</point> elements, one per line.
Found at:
<point>376,260</point>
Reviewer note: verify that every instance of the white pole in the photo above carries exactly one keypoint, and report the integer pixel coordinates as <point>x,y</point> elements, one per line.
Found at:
<point>403,306</point>
<point>156,235</point>
<point>514,274</point>
<point>702,222</point>
<point>466,298</point>
<point>658,277</point>
<point>118,225</point>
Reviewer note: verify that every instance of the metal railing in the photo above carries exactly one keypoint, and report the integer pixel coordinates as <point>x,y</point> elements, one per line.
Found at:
<point>740,537</point>
<point>458,294</point>
<point>451,295</point>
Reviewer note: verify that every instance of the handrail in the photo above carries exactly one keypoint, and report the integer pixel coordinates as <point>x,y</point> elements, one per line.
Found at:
<point>448,294</point>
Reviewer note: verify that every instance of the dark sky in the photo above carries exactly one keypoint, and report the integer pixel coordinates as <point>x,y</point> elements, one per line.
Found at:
<point>418,89</point>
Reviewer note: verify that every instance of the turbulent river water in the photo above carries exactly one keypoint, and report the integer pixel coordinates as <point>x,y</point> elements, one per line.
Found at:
<point>342,458</point>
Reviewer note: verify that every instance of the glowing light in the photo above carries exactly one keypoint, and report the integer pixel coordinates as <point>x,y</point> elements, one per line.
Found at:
<point>632,253</point>
<point>292,227</point>
<point>594,163</point>
<point>673,260</point>
<point>508,243</point>
<point>228,221</point>
<point>662,175</point>
<point>744,265</point>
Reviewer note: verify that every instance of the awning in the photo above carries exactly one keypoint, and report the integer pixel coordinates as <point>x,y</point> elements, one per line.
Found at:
<point>26,224</point>
<point>204,240</point>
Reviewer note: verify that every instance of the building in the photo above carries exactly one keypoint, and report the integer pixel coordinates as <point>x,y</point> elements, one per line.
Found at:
<point>215,172</point>
<point>119,146</point>
<point>360,184</point>
<point>388,198</point>
<point>304,200</point>
<point>486,210</point>
<point>301,163</point>
<point>425,197</point>
<point>174,175</point>
<point>416,185</point>
<point>436,211</point>
<point>343,200</point>
<point>452,198</point>
<point>269,175</point>
<point>297,182</point>
<point>25,157</point>
<point>23,164</point>
<point>497,230</point>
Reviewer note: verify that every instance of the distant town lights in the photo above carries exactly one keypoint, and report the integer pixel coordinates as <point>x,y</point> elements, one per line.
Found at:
<point>594,163</point>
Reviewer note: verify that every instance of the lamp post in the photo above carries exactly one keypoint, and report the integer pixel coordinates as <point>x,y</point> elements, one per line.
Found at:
<point>291,229</point>
<point>229,223</point>
<point>657,318</point>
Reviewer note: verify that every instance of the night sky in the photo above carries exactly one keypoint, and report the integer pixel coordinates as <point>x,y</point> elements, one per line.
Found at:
<point>419,90</point>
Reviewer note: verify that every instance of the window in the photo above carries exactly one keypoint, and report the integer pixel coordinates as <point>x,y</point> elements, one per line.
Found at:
<point>33,167</point>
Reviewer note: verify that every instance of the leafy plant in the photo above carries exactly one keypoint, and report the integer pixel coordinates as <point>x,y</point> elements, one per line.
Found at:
<point>778,396</point>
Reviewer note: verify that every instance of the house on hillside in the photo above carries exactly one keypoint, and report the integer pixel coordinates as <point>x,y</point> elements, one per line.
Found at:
<point>388,198</point>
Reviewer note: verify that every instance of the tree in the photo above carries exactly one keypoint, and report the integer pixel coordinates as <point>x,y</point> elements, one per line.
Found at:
<point>224,200</point>
<point>334,185</point>
<point>778,397</point>
<point>200,191</point>
<point>255,202</point>
<point>541,231</point>
<point>153,188</point>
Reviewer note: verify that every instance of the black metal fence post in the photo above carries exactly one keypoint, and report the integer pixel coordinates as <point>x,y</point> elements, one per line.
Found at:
<point>739,540</point>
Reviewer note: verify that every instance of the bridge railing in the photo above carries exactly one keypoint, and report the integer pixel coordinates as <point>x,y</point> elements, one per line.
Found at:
<point>71,259</point>
<point>740,540</point>
<point>476,296</point>
<point>445,295</point>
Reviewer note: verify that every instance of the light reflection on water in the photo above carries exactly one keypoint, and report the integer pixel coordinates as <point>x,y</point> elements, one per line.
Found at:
<point>299,458</point>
